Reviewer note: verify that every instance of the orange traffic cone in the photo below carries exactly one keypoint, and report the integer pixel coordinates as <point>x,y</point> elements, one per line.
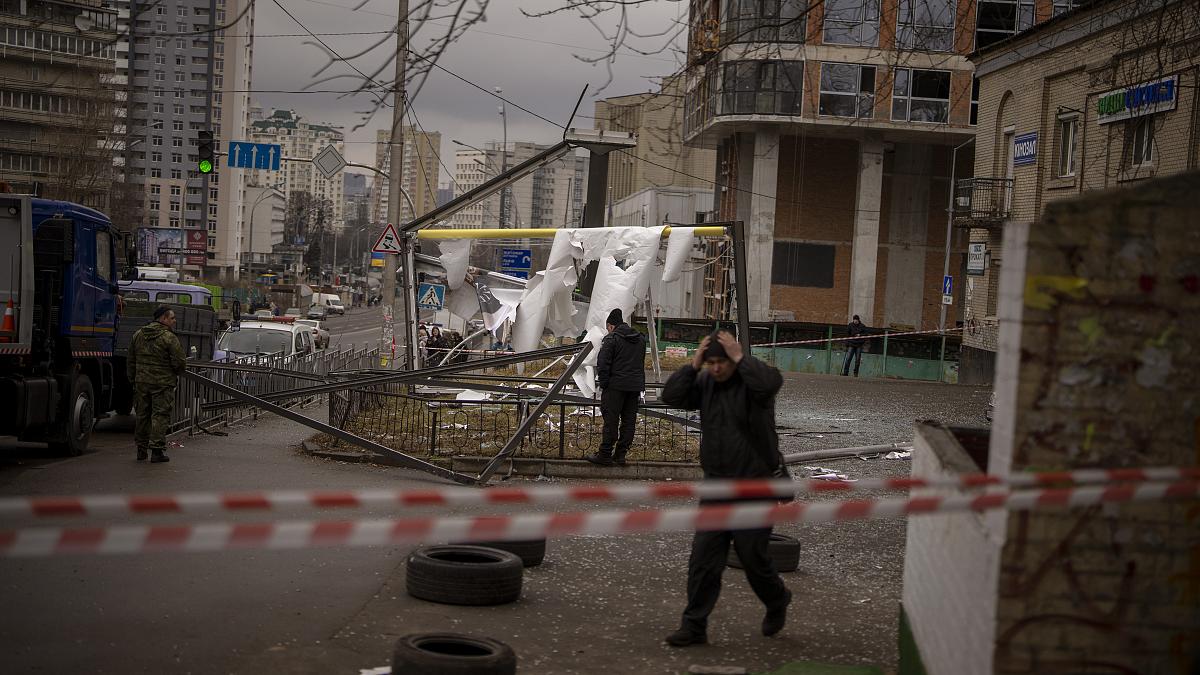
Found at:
<point>9,325</point>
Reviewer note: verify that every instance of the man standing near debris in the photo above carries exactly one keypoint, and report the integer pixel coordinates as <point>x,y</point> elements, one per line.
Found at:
<point>735,394</point>
<point>621,371</point>
<point>154,364</point>
<point>854,346</point>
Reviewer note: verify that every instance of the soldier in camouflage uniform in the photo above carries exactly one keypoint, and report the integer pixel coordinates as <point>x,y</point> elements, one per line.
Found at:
<point>154,365</point>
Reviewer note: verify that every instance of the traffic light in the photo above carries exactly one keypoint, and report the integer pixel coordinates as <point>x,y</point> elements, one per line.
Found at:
<point>207,151</point>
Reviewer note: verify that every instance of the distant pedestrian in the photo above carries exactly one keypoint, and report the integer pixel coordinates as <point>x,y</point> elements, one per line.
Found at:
<point>154,365</point>
<point>437,346</point>
<point>621,374</point>
<point>854,346</point>
<point>735,394</point>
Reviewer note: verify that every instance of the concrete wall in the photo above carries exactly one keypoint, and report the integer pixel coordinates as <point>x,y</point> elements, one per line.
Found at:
<point>1099,309</point>
<point>951,564</point>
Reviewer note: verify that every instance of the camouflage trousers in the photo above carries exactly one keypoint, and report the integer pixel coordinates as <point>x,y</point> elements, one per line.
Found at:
<point>152,404</point>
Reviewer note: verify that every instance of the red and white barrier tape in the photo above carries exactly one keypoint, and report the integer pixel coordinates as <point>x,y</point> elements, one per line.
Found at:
<point>98,505</point>
<point>867,336</point>
<point>45,541</point>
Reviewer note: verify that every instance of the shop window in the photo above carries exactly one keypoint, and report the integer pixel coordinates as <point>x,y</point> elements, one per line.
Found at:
<point>762,87</point>
<point>926,25</point>
<point>805,265</point>
<point>1068,130</point>
<point>852,22</point>
<point>1142,141</point>
<point>764,21</point>
<point>921,95</point>
<point>847,90</point>
<point>997,20</point>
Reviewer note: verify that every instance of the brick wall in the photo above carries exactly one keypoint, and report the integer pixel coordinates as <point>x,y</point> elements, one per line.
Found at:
<point>1097,369</point>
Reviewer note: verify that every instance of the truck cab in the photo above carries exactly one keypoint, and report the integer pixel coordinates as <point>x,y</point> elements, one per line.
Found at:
<point>58,287</point>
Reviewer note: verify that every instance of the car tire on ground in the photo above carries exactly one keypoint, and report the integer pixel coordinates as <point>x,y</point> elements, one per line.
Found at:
<point>531,552</point>
<point>452,654</point>
<point>458,574</point>
<point>784,552</point>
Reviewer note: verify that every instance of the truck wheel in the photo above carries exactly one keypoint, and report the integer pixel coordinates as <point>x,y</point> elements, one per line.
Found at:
<point>452,654</point>
<point>80,417</point>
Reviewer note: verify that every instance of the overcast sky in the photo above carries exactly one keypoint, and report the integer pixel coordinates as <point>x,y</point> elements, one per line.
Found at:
<point>508,51</point>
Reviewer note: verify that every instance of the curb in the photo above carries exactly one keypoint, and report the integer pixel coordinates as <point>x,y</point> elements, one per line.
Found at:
<point>526,466</point>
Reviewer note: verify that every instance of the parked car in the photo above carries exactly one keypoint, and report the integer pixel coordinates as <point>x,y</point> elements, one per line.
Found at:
<point>266,337</point>
<point>320,335</point>
<point>294,311</point>
<point>317,312</point>
<point>331,302</point>
<point>263,314</point>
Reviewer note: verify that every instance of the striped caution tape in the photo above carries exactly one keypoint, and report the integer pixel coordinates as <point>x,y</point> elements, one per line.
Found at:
<point>46,541</point>
<point>99,505</point>
<point>865,336</point>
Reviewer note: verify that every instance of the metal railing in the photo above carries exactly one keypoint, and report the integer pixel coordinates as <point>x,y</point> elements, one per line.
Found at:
<point>982,202</point>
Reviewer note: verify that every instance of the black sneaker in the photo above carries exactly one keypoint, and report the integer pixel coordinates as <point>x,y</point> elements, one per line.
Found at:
<point>159,456</point>
<point>599,459</point>
<point>686,638</point>
<point>620,461</point>
<point>775,619</point>
<point>142,454</point>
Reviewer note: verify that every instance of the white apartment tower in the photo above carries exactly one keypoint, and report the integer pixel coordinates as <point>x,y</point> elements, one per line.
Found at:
<point>301,140</point>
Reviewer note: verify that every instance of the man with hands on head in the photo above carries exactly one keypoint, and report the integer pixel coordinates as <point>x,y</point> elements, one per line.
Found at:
<point>735,394</point>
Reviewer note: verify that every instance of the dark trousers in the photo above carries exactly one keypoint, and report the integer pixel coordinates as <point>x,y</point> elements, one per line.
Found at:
<point>853,353</point>
<point>619,409</point>
<point>710,550</point>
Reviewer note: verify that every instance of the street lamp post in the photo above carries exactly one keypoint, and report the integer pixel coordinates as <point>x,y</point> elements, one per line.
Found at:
<point>250,263</point>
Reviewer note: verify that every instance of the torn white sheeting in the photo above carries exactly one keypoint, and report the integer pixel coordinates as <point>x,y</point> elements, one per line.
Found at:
<point>471,395</point>
<point>463,303</point>
<point>899,454</point>
<point>543,293</point>
<point>679,247</point>
<point>455,255</point>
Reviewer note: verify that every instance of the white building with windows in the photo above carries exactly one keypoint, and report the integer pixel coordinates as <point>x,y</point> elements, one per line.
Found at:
<point>303,140</point>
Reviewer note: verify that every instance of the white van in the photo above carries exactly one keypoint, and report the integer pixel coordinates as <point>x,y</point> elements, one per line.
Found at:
<point>330,301</point>
<point>280,338</point>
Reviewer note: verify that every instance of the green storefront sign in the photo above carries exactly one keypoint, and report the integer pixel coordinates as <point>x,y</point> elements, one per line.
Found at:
<point>1146,98</point>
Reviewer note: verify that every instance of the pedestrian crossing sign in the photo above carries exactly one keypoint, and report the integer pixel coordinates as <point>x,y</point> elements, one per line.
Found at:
<point>388,242</point>
<point>431,296</point>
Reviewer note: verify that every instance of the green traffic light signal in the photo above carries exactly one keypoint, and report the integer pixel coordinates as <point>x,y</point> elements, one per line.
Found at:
<point>206,166</point>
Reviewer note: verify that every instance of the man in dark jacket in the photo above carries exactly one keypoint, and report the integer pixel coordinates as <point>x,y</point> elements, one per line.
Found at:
<point>154,364</point>
<point>854,346</point>
<point>621,372</point>
<point>735,394</point>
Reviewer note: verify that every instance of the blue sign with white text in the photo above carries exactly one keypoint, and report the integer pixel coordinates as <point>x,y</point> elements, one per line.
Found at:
<point>1025,149</point>
<point>516,259</point>
<point>245,155</point>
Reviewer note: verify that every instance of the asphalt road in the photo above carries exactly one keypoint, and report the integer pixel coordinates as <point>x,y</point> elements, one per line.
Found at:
<point>597,605</point>
<point>360,326</point>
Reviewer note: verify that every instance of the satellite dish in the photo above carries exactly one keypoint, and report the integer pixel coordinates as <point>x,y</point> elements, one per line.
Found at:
<point>84,22</point>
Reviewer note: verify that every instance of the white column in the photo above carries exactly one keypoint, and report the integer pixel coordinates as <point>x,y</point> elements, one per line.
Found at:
<point>865,254</point>
<point>760,228</point>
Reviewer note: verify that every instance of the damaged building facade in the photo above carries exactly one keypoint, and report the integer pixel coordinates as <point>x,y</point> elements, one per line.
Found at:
<point>835,128</point>
<point>1102,97</point>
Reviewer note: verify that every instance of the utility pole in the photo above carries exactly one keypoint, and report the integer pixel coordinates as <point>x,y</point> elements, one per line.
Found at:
<point>395,188</point>
<point>504,193</point>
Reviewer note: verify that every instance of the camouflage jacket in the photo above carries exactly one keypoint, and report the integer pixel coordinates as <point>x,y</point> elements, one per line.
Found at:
<point>155,356</point>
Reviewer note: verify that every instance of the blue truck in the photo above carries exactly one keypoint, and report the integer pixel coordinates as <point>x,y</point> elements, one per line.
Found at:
<point>58,288</point>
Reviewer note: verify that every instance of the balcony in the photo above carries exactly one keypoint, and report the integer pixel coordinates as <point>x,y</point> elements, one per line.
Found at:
<point>982,202</point>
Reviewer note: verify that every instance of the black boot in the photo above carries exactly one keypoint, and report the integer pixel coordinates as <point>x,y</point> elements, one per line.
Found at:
<point>685,638</point>
<point>775,619</point>
<point>142,454</point>
<point>600,459</point>
<point>619,459</point>
<point>158,456</point>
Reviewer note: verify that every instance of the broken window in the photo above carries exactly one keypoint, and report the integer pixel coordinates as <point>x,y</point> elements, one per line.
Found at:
<point>925,25</point>
<point>847,90</point>
<point>764,21</point>
<point>762,87</point>
<point>997,20</point>
<point>921,95</point>
<point>852,22</point>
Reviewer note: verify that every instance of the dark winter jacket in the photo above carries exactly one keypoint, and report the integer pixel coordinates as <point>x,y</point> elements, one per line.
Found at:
<point>155,356</point>
<point>856,329</point>
<point>737,417</point>
<point>621,364</point>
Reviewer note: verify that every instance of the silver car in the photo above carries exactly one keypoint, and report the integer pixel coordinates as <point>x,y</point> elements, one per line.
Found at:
<point>320,335</point>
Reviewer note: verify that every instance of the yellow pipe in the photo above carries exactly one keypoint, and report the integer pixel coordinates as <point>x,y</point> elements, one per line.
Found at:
<point>531,233</point>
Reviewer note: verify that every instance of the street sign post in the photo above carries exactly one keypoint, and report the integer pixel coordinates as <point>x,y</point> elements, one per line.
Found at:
<point>947,285</point>
<point>516,262</point>
<point>246,155</point>
<point>388,242</point>
<point>431,296</point>
<point>947,299</point>
<point>329,162</point>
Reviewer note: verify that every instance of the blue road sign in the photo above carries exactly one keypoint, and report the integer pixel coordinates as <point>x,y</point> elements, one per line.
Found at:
<point>516,259</point>
<point>947,285</point>
<point>245,155</point>
<point>431,296</point>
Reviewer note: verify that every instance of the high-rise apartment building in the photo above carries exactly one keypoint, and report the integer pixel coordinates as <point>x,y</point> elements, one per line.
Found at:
<point>187,73</point>
<point>57,99</point>
<point>419,175</point>
<point>301,139</point>
<point>660,158</point>
<point>552,196</point>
